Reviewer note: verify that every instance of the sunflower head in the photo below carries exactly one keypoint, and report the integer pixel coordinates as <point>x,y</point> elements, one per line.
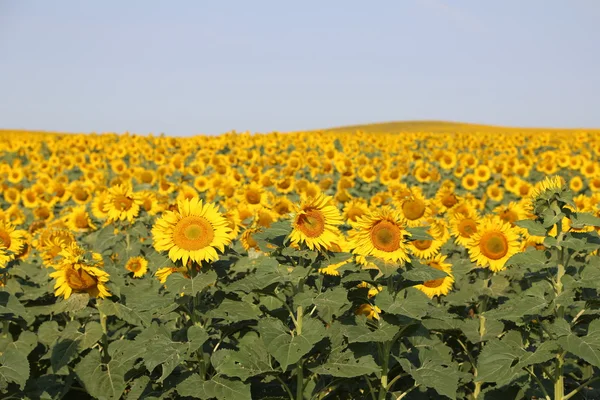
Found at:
<point>551,193</point>
<point>194,231</point>
<point>494,243</point>
<point>316,222</point>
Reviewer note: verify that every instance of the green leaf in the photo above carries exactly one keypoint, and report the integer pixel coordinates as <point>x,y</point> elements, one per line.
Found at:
<point>441,378</point>
<point>76,302</point>
<point>48,332</point>
<point>10,305</point>
<point>581,220</point>
<point>364,334</point>
<point>419,233</point>
<point>344,364</point>
<point>268,272</point>
<point>235,311</point>
<point>585,347</point>
<point>411,303</point>
<point>545,352</point>
<point>492,329</point>
<point>534,228</point>
<point>14,367</point>
<point>280,343</point>
<point>422,273</point>
<point>219,387</point>
<point>161,350</point>
<point>138,387</point>
<point>331,302</point>
<point>128,314</point>
<point>531,259</point>
<point>196,336</point>
<point>177,283</point>
<point>495,363</point>
<point>250,359</point>
<point>102,381</point>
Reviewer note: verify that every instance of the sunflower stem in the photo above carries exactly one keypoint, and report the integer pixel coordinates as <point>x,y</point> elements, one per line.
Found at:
<point>299,364</point>
<point>5,328</point>
<point>105,356</point>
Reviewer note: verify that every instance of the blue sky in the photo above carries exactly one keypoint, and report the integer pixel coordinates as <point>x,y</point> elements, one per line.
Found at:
<point>189,67</point>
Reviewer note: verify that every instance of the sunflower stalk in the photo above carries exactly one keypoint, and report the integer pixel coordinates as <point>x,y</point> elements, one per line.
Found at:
<point>105,355</point>
<point>299,364</point>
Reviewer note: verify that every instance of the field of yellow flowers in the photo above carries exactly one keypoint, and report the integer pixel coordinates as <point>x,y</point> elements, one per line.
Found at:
<point>431,263</point>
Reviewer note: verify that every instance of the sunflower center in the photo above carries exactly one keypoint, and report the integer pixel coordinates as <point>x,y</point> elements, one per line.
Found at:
<point>253,197</point>
<point>311,223</point>
<point>5,239</point>
<point>134,266</point>
<point>449,200</point>
<point>467,227</point>
<point>122,203</point>
<point>81,195</point>
<point>355,213</point>
<point>79,280</point>
<point>81,221</point>
<point>422,244</point>
<point>193,233</point>
<point>386,236</point>
<point>509,216</point>
<point>413,209</point>
<point>494,245</point>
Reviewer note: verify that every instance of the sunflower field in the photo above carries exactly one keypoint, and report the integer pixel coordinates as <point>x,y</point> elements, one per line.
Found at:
<point>312,265</point>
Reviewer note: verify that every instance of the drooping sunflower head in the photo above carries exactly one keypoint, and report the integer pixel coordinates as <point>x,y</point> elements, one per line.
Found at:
<point>316,222</point>
<point>551,190</point>
<point>80,278</point>
<point>381,234</point>
<point>195,231</point>
<point>494,243</point>
<point>439,286</point>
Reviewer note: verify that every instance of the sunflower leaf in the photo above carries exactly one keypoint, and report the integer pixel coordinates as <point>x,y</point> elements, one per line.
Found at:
<point>177,283</point>
<point>345,364</point>
<point>419,233</point>
<point>534,228</point>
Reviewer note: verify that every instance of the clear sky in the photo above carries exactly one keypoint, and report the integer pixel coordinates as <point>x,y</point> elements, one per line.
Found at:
<point>189,67</point>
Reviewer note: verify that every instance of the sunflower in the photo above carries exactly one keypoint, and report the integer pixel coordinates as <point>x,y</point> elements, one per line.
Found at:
<point>414,208</point>
<point>4,259</point>
<point>495,192</point>
<point>369,311</point>
<point>493,244</point>
<point>576,184</point>
<point>463,226</point>
<point>426,248</point>
<point>11,240</point>
<point>373,290</point>
<point>355,208</point>
<point>440,286</point>
<point>76,274</point>
<point>137,265</point>
<point>315,223</point>
<point>247,239</point>
<point>342,246</point>
<point>122,204</point>
<point>511,212</point>
<point>380,234</point>
<point>79,220</point>
<point>547,187</point>
<point>446,198</point>
<point>470,182</point>
<point>192,232</point>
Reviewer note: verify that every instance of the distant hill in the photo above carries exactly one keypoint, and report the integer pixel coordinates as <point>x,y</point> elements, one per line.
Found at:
<point>438,126</point>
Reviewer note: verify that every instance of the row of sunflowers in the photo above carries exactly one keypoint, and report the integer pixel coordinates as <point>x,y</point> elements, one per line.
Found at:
<point>257,266</point>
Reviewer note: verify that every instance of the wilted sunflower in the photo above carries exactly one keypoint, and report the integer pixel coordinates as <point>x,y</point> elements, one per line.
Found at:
<point>380,234</point>
<point>77,274</point>
<point>192,232</point>
<point>137,265</point>
<point>440,286</point>
<point>494,243</point>
<point>316,223</point>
